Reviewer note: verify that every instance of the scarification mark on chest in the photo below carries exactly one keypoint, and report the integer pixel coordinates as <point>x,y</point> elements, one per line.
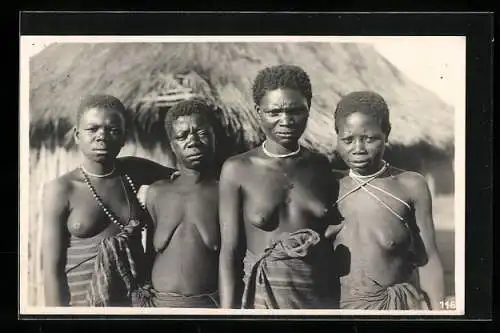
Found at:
<point>288,187</point>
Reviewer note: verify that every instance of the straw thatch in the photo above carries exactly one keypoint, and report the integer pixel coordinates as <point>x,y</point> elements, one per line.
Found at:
<point>223,72</point>
<point>137,73</point>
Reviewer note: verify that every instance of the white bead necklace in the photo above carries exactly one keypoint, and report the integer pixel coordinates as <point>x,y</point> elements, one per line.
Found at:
<point>268,153</point>
<point>97,175</point>
<point>362,180</point>
<point>373,175</point>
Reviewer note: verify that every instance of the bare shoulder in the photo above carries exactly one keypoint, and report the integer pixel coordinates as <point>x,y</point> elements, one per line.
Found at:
<point>414,182</point>
<point>409,177</point>
<point>160,186</point>
<point>235,165</point>
<point>62,185</point>
<point>57,192</point>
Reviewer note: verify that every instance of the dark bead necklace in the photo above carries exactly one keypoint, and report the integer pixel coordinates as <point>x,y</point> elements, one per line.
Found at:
<point>132,223</point>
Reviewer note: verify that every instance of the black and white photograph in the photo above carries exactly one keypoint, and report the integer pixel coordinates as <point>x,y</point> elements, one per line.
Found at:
<point>245,175</point>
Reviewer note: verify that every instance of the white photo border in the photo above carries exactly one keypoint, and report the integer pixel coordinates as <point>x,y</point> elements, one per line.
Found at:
<point>27,43</point>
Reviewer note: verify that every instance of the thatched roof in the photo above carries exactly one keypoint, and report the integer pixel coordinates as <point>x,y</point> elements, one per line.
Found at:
<point>223,73</point>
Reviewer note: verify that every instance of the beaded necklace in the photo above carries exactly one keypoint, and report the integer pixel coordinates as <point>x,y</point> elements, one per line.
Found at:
<point>363,180</point>
<point>97,175</point>
<point>132,223</point>
<point>273,155</point>
<point>374,175</point>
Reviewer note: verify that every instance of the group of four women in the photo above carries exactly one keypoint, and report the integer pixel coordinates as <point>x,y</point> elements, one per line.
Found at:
<point>276,228</point>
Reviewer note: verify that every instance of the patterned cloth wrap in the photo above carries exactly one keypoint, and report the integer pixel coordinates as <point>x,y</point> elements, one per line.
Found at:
<point>109,275</point>
<point>284,277</point>
<point>369,295</point>
<point>174,300</point>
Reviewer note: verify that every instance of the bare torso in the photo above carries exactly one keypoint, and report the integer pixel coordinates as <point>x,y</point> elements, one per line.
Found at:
<point>374,243</point>
<point>74,224</point>
<point>186,236</point>
<point>283,195</point>
<point>87,219</point>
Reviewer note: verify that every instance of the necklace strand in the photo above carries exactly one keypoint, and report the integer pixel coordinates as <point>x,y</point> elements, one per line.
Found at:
<point>110,215</point>
<point>362,180</point>
<point>268,153</point>
<point>373,175</point>
<point>97,175</point>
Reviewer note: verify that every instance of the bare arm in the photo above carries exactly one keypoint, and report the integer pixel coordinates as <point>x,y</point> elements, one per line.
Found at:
<point>55,214</point>
<point>149,203</point>
<point>431,274</point>
<point>144,171</point>
<point>150,206</point>
<point>230,227</point>
<point>151,225</point>
<point>335,220</point>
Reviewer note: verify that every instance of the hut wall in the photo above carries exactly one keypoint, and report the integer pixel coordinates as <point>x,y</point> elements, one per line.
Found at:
<point>442,173</point>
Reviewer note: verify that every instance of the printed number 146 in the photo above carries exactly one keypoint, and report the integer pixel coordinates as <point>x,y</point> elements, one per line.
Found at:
<point>448,303</point>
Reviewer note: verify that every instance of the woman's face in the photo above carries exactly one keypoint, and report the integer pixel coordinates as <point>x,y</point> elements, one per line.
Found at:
<point>193,141</point>
<point>361,143</point>
<point>100,134</point>
<point>283,114</point>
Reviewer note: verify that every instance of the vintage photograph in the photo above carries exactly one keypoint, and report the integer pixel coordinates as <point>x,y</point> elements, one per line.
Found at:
<point>242,175</point>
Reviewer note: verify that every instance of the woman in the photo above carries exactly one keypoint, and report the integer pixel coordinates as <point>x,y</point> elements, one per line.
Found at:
<point>388,231</point>
<point>184,210</point>
<point>92,251</point>
<point>275,205</point>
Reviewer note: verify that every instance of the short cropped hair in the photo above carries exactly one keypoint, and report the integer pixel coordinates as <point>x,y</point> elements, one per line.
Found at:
<point>101,102</point>
<point>366,102</point>
<point>194,106</point>
<point>281,77</point>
